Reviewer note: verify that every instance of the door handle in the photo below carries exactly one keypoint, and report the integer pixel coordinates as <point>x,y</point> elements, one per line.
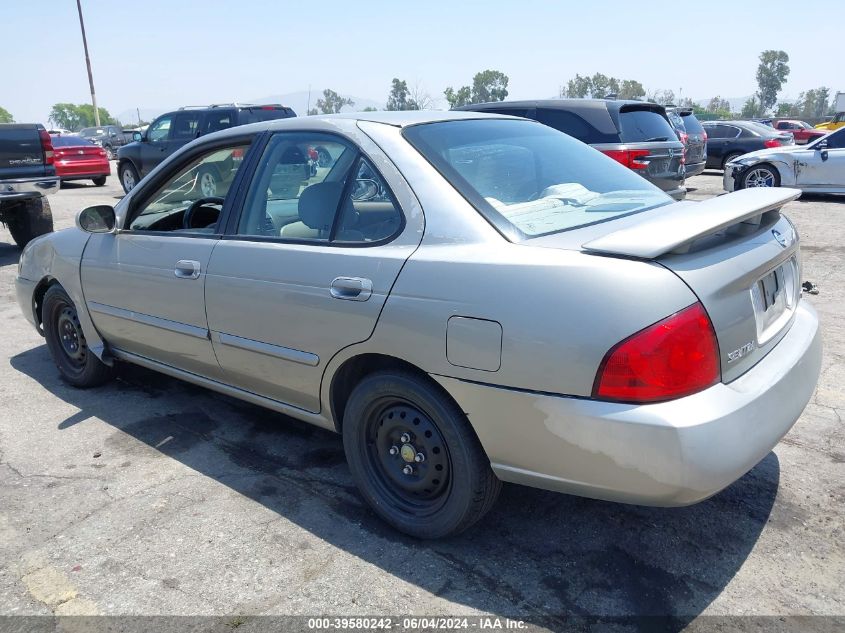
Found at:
<point>351,288</point>
<point>187,269</point>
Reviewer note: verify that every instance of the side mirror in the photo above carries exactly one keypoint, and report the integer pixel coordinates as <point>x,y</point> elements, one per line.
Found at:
<point>137,136</point>
<point>98,219</point>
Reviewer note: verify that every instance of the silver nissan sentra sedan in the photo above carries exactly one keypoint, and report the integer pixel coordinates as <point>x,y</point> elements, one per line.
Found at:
<point>467,298</point>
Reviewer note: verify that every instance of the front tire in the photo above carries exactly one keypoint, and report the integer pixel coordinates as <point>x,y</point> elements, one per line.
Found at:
<point>76,363</point>
<point>760,176</point>
<point>32,218</point>
<point>128,176</point>
<point>99,181</point>
<point>414,456</point>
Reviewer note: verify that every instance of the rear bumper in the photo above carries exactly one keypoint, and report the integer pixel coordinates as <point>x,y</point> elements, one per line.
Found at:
<point>693,169</point>
<point>21,188</point>
<point>84,169</point>
<point>667,454</point>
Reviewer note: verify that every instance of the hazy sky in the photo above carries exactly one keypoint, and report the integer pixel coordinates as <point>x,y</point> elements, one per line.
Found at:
<point>165,53</point>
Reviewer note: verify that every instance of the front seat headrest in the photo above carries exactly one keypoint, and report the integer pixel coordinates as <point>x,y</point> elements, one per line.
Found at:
<point>318,204</point>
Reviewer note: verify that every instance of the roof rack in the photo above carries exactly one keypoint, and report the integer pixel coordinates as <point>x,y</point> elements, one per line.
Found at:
<point>234,104</point>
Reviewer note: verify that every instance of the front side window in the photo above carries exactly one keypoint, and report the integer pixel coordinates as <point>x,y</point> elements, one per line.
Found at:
<point>317,187</point>
<point>159,130</point>
<point>191,200</point>
<point>528,177</point>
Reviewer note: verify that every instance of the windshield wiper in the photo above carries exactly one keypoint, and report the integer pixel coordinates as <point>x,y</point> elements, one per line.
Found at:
<point>656,139</point>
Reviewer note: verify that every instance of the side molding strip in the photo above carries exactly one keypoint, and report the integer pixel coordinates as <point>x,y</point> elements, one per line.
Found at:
<point>277,351</point>
<point>146,319</point>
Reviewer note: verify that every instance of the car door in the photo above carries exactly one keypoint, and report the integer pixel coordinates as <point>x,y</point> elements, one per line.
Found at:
<point>154,148</point>
<point>309,264</point>
<point>144,284</point>
<point>823,167</point>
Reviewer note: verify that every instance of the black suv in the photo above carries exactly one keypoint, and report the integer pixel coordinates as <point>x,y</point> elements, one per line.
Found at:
<point>171,131</point>
<point>635,133</point>
<point>109,137</point>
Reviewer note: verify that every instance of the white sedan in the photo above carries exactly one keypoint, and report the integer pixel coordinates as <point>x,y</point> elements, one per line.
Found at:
<point>818,167</point>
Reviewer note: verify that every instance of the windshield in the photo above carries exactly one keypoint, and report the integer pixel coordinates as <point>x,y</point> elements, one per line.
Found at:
<point>530,180</point>
<point>763,130</point>
<point>691,124</point>
<point>70,141</point>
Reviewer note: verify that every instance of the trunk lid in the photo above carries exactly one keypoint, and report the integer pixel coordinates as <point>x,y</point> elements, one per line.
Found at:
<point>735,252</point>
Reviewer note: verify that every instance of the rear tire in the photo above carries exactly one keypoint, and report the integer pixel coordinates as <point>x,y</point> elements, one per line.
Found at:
<point>730,157</point>
<point>77,365</point>
<point>32,218</point>
<point>128,176</point>
<point>99,181</point>
<point>390,419</point>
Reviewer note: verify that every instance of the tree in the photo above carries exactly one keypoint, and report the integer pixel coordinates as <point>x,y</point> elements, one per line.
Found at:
<point>663,97</point>
<point>771,75</point>
<point>717,104</point>
<point>462,97</point>
<point>71,116</point>
<point>751,108</point>
<point>578,88</point>
<point>421,97</point>
<point>331,103</point>
<point>399,98</point>
<point>630,89</point>
<point>487,85</point>
<point>602,85</point>
<point>6,116</point>
<point>370,109</point>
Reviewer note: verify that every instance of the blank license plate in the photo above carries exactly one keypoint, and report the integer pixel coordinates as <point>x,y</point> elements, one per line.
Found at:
<point>773,297</point>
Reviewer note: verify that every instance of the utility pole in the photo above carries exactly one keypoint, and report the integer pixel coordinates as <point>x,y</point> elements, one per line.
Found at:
<point>88,64</point>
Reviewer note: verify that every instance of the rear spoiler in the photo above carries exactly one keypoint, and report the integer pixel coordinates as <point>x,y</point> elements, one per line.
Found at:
<point>682,223</point>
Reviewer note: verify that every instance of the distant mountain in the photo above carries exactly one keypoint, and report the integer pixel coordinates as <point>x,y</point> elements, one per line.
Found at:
<point>299,101</point>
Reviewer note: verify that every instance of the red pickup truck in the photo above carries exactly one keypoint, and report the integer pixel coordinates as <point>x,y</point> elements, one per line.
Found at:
<point>801,130</point>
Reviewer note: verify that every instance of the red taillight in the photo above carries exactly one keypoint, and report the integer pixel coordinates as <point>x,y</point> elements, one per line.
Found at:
<point>46,147</point>
<point>675,357</point>
<point>704,136</point>
<point>771,142</point>
<point>684,138</point>
<point>102,153</point>
<point>628,157</point>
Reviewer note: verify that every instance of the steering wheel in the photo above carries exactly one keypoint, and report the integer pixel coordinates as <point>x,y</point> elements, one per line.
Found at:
<point>196,204</point>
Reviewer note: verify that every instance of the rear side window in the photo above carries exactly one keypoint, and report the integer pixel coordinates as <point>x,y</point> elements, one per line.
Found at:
<point>692,124</point>
<point>642,125</point>
<point>572,124</point>
<point>269,113</point>
<point>185,126</point>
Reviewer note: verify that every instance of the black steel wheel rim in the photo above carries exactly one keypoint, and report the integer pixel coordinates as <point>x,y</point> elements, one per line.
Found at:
<point>407,457</point>
<point>70,338</point>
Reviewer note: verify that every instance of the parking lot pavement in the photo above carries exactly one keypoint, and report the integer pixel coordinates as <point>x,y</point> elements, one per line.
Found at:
<point>151,496</point>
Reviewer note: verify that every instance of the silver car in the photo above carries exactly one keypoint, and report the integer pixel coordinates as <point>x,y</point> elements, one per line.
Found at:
<point>817,167</point>
<point>467,298</point>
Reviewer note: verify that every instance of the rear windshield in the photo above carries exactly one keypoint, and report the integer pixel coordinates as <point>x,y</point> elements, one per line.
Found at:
<point>691,124</point>
<point>254,115</point>
<point>530,180</point>
<point>642,125</point>
<point>70,141</point>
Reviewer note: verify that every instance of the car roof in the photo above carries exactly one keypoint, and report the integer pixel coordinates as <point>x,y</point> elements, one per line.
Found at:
<point>562,104</point>
<point>399,119</point>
